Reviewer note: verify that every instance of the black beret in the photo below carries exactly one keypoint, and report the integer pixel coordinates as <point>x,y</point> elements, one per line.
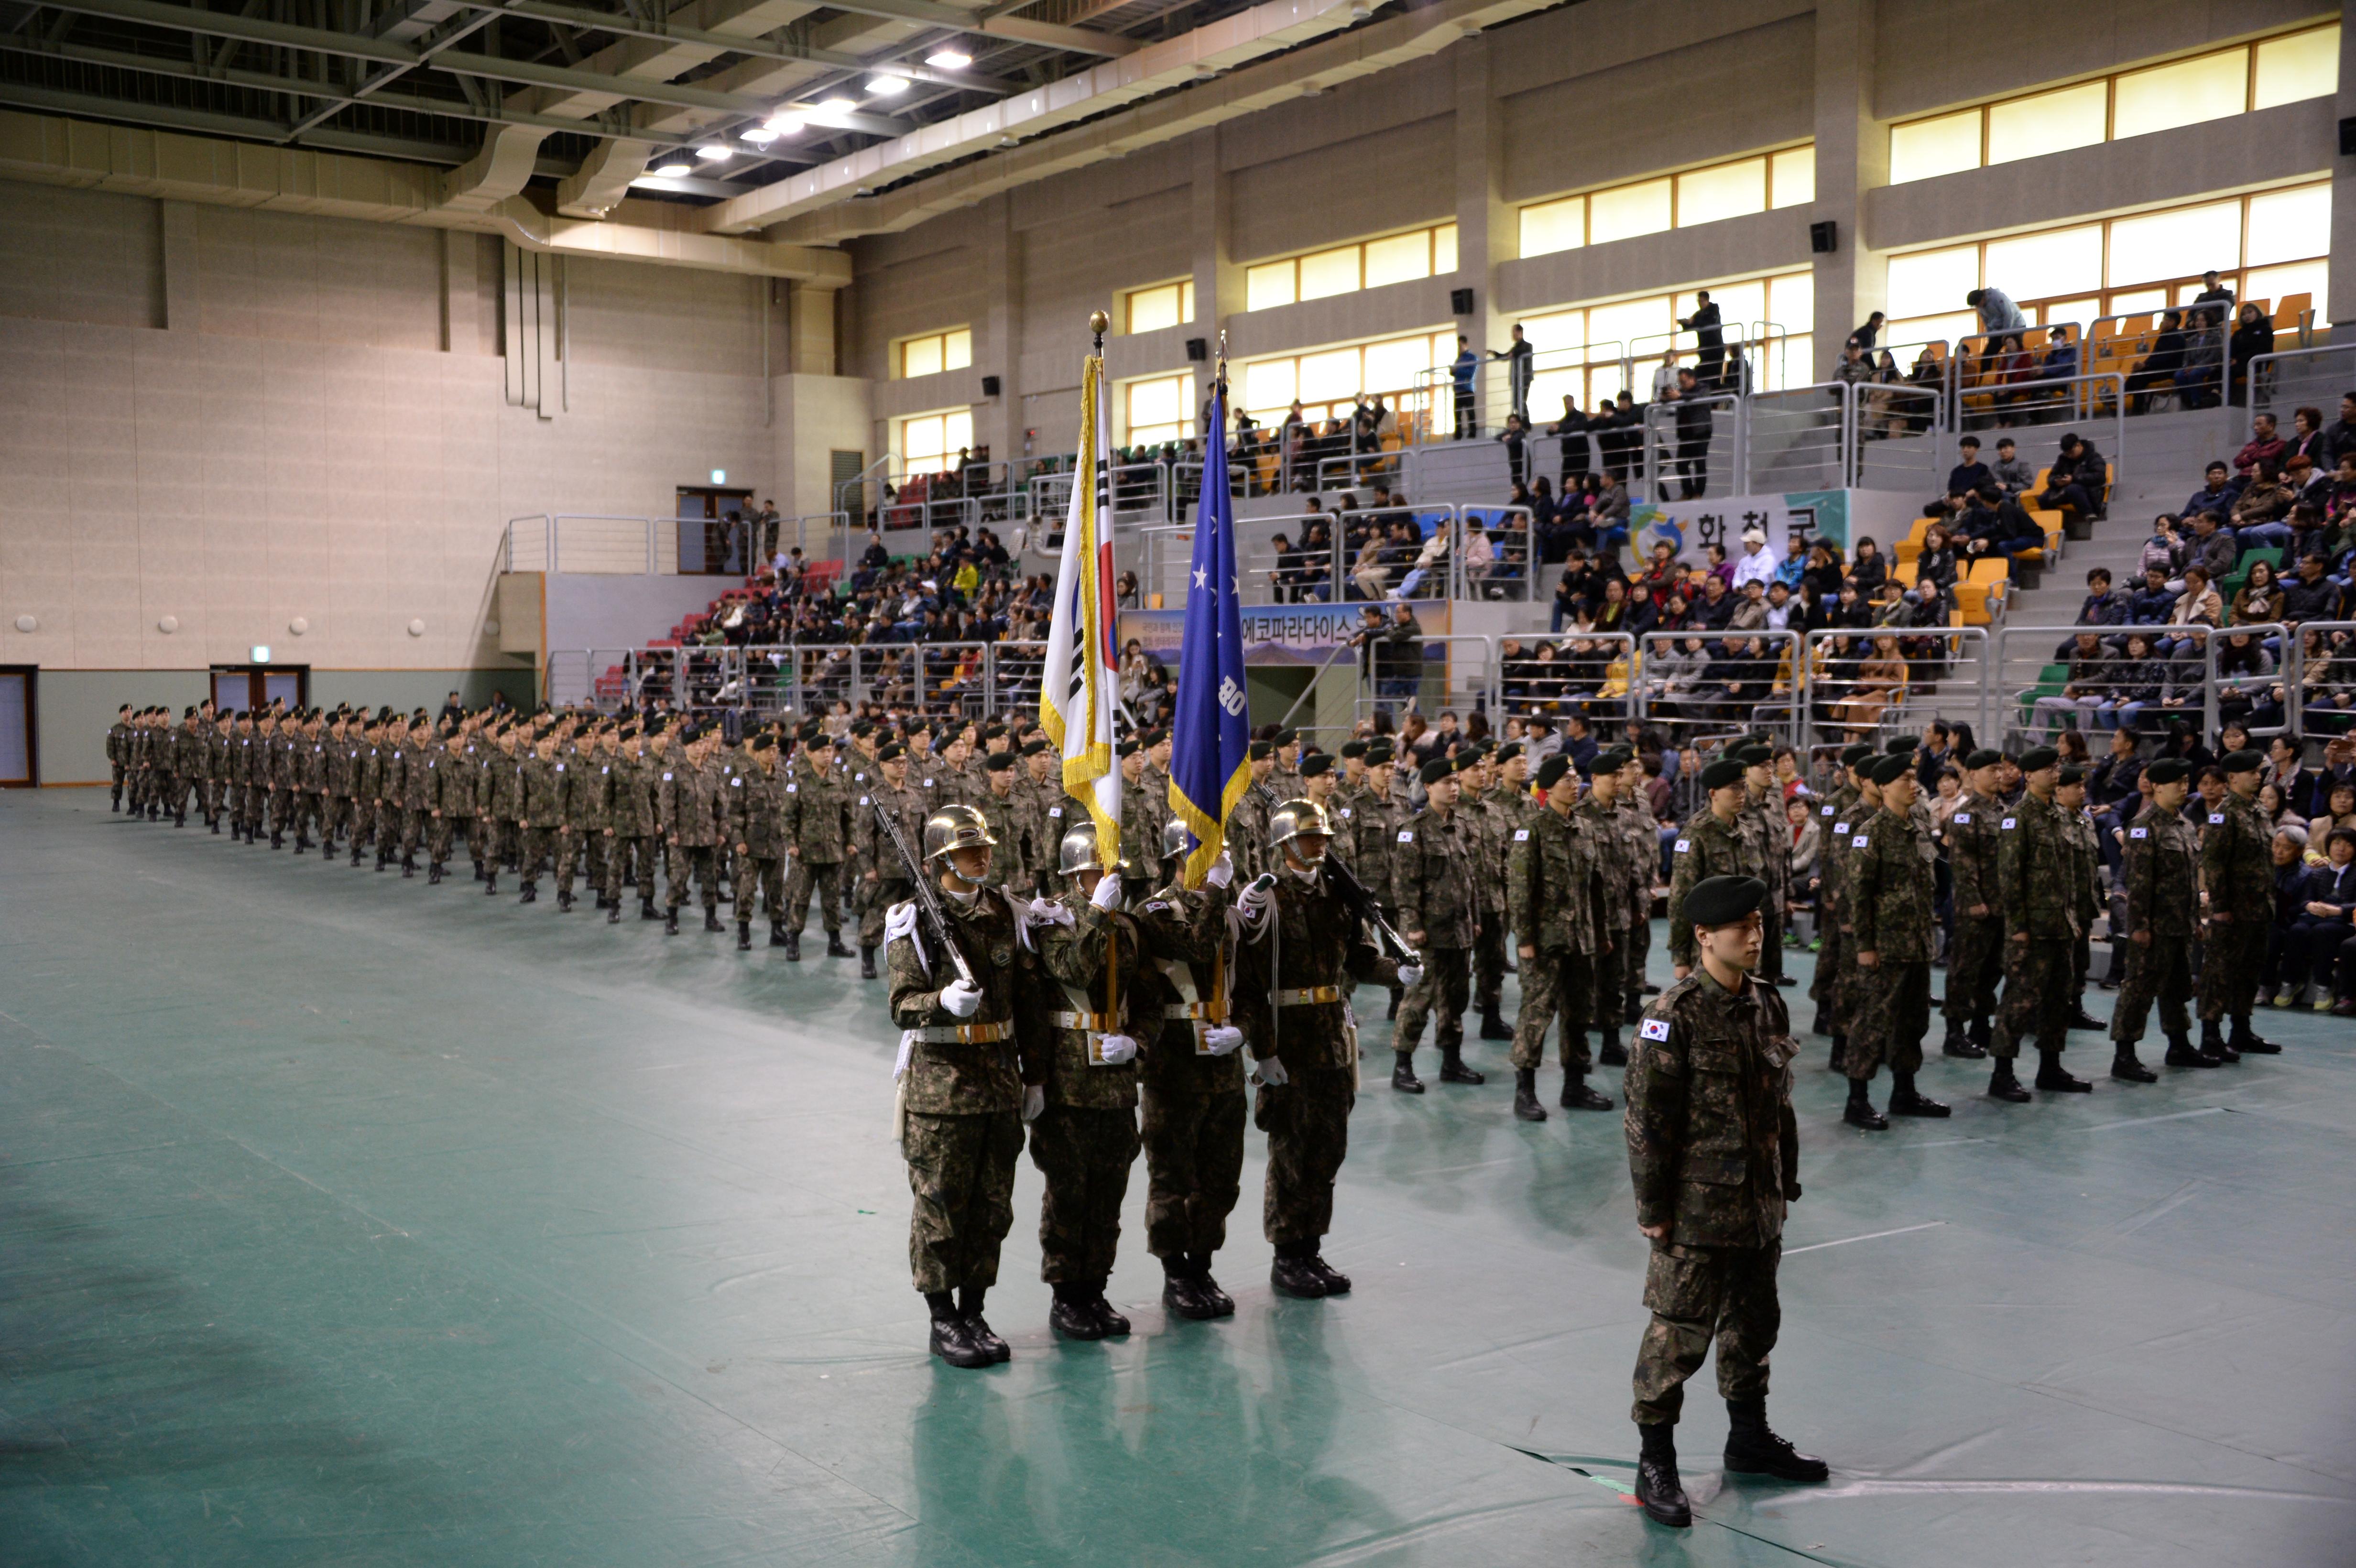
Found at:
<point>1899,745</point>
<point>1354,748</point>
<point>1286,736</point>
<point>1128,747</point>
<point>2242,762</point>
<point>998,761</point>
<point>764,743</point>
<point>1508,751</point>
<point>1722,900</point>
<point>1853,756</point>
<point>1754,756</point>
<point>2168,770</point>
<point>1032,748</point>
<point>1436,769</point>
<point>1613,760</point>
<point>815,737</point>
<point>1550,772</point>
<point>1889,770</point>
<point>890,751</point>
<point>1260,749</point>
<point>1471,757</point>
<point>862,726</point>
<point>1985,757</point>
<point>1316,765</point>
<point>2073,774</point>
<point>2038,758</point>
<point>992,731</point>
<point>1380,751</point>
<point>1718,774</point>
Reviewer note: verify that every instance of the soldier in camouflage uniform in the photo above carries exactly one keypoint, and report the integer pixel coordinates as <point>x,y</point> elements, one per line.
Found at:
<point>1555,889</point>
<point>1303,952</point>
<point>1893,881</point>
<point>244,772</point>
<point>687,802</point>
<point>2237,874</point>
<point>1038,790</point>
<point>588,791</point>
<point>1003,812</point>
<point>1506,806</point>
<point>1084,1139</point>
<point>392,788</point>
<point>964,1050</point>
<point>118,755</point>
<point>1715,844</point>
<point>1713,1150</point>
<point>539,813</point>
<point>460,778</point>
<point>1836,820</point>
<point>1762,812</point>
<point>1976,954</point>
<point>1366,831</point>
<point>756,814</point>
<point>637,829</point>
<point>221,755</point>
<point>1247,825</point>
<point>883,876</point>
<point>817,836</point>
<point>2160,873</point>
<point>1642,831</point>
<point>1599,816</point>
<point>1438,866</point>
<point>2036,869</point>
<point>2087,888</point>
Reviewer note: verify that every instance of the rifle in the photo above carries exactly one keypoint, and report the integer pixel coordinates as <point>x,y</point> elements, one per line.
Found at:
<point>1352,892</point>
<point>928,897</point>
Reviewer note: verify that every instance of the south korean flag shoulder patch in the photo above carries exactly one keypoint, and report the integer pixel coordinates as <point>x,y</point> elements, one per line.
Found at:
<point>2008,822</point>
<point>1859,842</point>
<point>1654,1029</point>
<point>1681,845</point>
<point>2216,819</point>
<point>2138,832</point>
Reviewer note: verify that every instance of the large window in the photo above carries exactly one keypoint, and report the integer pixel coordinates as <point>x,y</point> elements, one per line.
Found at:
<point>1159,410</point>
<point>929,443</point>
<point>1163,304</point>
<point>2247,77</point>
<point>932,353</point>
<point>1346,268</point>
<point>1769,181</point>
<point>1327,383</point>
<point>1588,352</point>
<point>2266,247</point>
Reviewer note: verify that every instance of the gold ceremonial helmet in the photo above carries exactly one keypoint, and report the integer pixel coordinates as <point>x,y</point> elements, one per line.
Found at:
<point>956,828</point>
<point>1079,850</point>
<point>1297,818</point>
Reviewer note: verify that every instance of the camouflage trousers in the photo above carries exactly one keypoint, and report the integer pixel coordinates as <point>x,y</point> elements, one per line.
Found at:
<point>339,818</point>
<point>583,850</point>
<point>630,859</point>
<point>120,774</point>
<point>961,1170</point>
<point>826,878</point>
<point>1609,981</point>
<point>1893,1012</point>
<point>1557,985</point>
<point>1307,1126</point>
<point>443,833</point>
<point>692,862</point>
<point>874,901</point>
<point>1489,962</point>
<point>1441,994</point>
<point>1697,1294</point>
<point>763,874</point>
<point>2036,995</point>
<point>1832,959</point>
<point>1975,960</point>
<point>2161,972</point>
<point>1770,955</point>
<point>2232,952</point>
<point>539,847</point>
<point>1194,1165</point>
<point>1640,952</point>
<point>282,810</point>
<point>1085,1155</point>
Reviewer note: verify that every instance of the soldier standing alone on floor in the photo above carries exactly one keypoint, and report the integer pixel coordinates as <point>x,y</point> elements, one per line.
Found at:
<point>1555,891</point>
<point>1714,1150</point>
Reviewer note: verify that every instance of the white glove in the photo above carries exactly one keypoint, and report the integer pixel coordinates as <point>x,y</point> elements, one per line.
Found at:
<point>960,1000</point>
<point>1222,871</point>
<point>1034,1100</point>
<point>1410,975</point>
<point>1107,894</point>
<point>1116,1049</point>
<point>1047,911</point>
<point>1269,1070</point>
<point>1221,1039</point>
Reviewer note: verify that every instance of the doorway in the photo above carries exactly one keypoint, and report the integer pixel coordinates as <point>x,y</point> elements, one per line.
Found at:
<point>20,753</point>
<point>253,686</point>
<point>713,535</point>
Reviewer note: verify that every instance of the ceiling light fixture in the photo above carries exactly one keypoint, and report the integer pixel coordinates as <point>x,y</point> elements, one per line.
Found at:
<point>784,124</point>
<point>714,153</point>
<point>673,172</point>
<point>887,86</point>
<point>759,135</point>
<point>948,60</point>
<point>837,106</point>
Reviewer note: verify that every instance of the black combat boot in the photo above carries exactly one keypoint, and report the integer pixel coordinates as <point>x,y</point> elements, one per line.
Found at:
<point>1294,1273</point>
<point>951,1342</point>
<point>1403,1078</point>
<point>1397,996</point>
<point>1959,1044</point>
<point>793,948</point>
<point>1452,1069</point>
<point>2003,1085</point>
<point>866,962</point>
<point>1073,1315</point>
<point>1336,1282</point>
<point>216,830</point>
<point>1109,1318</point>
<point>180,819</point>
<point>2081,1018</point>
<point>614,912</point>
<point>2127,1068</point>
<point>531,892</point>
<point>1859,1111</point>
<point>433,874</point>
<point>1180,1294</point>
<point>744,936</point>
<point>646,906</point>
<point>1526,1095</point>
<point>2213,1043</point>
<point>355,852</point>
<point>1633,1014</point>
<point>490,880</point>
<point>277,840</point>
<point>1816,1024</point>
<point>1905,1100</point>
<point>1981,1035</point>
<point>2054,1081</point>
<point>985,1339</point>
<point>1493,1027</point>
<point>1753,1449</point>
<point>670,921</point>
<point>1578,1096</point>
<point>834,947</point>
<point>1840,1049</point>
<point>1613,1054</point>
<point>300,844</point>
<point>2181,1053</point>
<point>2247,1041</point>
<point>408,870</point>
<point>1659,1492</point>
<point>777,932</point>
<point>1222,1304</point>
<point>711,920</point>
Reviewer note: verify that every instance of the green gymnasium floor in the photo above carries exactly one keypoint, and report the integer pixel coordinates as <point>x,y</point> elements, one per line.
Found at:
<point>347,1221</point>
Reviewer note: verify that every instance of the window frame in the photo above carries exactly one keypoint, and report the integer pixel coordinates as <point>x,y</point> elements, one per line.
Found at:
<point>1676,178</point>
<point>1431,232</point>
<point>898,364</point>
<point>1185,286</point>
<point>1189,410</point>
<point>947,456</point>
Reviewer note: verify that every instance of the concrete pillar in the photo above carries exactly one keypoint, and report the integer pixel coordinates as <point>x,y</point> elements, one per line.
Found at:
<point>1218,276</point>
<point>810,331</point>
<point>1852,157</point>
<point>179,221</point>
<point>461,292</point>
<point>998,421</point>
<point>1486,231</point>
<point>2342,305</point>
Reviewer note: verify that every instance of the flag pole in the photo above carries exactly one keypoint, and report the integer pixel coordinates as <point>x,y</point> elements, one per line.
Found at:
<point>1097,322</point>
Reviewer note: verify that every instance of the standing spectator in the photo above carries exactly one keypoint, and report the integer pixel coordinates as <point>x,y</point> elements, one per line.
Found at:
<point>1996,312</point>
<point>1870,335</point>
<point>1709,340</point>
<point>2340,435</point>
<point>1570,431</point>
<point>1521,361</point>
<point>1512,435</point>
<point>1694,421</point>
<point>1463,373</point>
<point>2253,335</point>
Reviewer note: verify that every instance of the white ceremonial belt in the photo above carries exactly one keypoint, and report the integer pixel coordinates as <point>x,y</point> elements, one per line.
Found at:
<point>1215,1011</point>
<point>1308,995</point>
<point>1095,1023</point>
<point>964,1034</point>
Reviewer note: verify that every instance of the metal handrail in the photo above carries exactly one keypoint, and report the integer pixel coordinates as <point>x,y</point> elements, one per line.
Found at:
<point>2285,671</point>
<point>1651,697</point>
<point>2295,696</point>
<point>1550,705</point>
<point>2267,381</point>
<point>1821,690</point>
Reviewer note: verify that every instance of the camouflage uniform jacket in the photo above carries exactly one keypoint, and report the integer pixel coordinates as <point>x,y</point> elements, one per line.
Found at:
<point>392,773</point>
<point>1185,936</point>
<point>1368,840</point>
<point>1081,958</point>
<point>119,744</point>
<point>1890,881</point>
<point>542,781</point>
<point>1247,833</point>
<point>1837,823</point>
<point>2160,864</point>
<point>284,765</point>
<point>2086,877</point>
<point>1555,884</point>
<point>1006,860</point>
<point>340,768</point>
<point>1713,1146</point>
<point>2237,861</point>
<point>462,782</point>
<point>1973,838</point>
<point>908,805</point>
<point>368,771</point>
<point>756,813</point>
<point>1773,833</point>
<point>188,751</point>
<point>634,802</point>
<point>818,817</point>
<point>589,791</point>
<point>687,797</point>
<point>1436,873</point>
<point>220,752</point>
<point>1643,831</point>
<point>1602,827</point>
<point>955,1077</point>
<point>2038,870</point>
<point>1708,848</point>
<point>422,775</point>
<point>1321,950</point>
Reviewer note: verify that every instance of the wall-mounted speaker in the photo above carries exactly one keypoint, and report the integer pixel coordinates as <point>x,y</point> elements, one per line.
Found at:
<point>2348,137</point>
<point>1198,349</point>
<point>989,386</point>
<point>1824,238</point>
<point>1459,302</point>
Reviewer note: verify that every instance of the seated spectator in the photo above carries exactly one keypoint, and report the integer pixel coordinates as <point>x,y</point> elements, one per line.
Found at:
<point>2079,480</point>
<point>2091,691</point>
<point>2310,595</point>
<point>1868,570</point>
<point>1970,472</point>
<point>2213,548</point>
<point>1716,609</point>
<point>2342,500</point>
<point>1751,610</point>
<point>2166,549</point>
<point>2320,947</point>
<point>2264,445</point>
<point>2157,374</point>
<point>2246,693</point>
<point>2258,515</point>
<point>1794,564</point>
<point>2216,493</point>
<point>2059,362</point>
<point>2200,382</point>
<point>2260,599</point>
<point>1755,565</point>
<point>1936,567</point>
<point>2011,473</point>
<point>1880,678</point>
